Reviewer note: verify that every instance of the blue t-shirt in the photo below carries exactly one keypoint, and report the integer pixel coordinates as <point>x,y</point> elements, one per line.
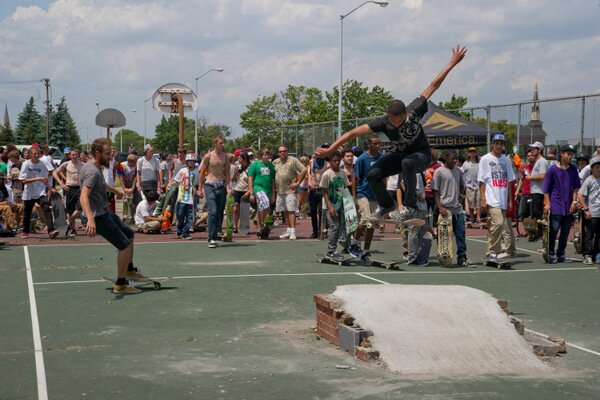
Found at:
<point>560,184</point>
<point>363,164</point>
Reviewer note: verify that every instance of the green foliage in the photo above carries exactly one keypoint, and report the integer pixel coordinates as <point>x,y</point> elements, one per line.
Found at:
<point>29,125</point>
<point>130,137</point>
<point>454,104</point>
<point>167,134</point>
<point>7,135</point>
<point>509,130</point>
<point>63,130</point>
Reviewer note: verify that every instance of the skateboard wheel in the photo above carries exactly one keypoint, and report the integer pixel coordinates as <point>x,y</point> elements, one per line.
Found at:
<point>157,285</point>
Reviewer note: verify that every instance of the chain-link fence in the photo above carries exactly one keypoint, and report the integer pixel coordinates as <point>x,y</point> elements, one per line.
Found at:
<point>554,121</point>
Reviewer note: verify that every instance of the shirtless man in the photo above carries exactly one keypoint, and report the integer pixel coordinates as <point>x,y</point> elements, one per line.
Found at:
<point>67,175</point>
<point>214,181</point>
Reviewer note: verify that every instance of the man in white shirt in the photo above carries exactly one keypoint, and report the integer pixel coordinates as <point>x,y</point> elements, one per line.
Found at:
<point>495,174</point>
<point>536,182</point>
<point>144,221</point>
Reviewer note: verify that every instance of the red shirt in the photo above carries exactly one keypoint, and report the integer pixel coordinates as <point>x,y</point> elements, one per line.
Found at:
<point>429,177</point>
<point>526,170</point>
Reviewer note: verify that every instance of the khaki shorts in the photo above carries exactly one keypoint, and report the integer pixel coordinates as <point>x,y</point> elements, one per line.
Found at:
<point>365,208</point>
<point>286,202</point>
<point>473,198</point>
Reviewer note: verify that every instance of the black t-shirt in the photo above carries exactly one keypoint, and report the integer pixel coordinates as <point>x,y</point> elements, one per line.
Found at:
<point>408,137</point>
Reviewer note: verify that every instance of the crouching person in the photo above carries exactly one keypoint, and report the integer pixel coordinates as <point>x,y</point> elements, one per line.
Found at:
<point>144,221</point>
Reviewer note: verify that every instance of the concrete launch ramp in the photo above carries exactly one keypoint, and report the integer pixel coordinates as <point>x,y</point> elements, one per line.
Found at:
<point>439,330</point>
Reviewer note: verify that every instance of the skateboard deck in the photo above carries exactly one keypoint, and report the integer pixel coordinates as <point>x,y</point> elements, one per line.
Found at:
<point>578,239</point>
<point>265,230</point>
<point>545,238</point>
<point>244,216</point>
<point>445,243</point>
<point>530,224</point>
<point>350,215</point>
<point>59,215</point>
<point>229,218</point>
<point>500,264</point>
<point>323,259</point>
<point>383,264</point>
<point>155,282</point>
<point>323,224</point>
<point>165,200</point>
<point>127,210</point>
<point>17,185</point>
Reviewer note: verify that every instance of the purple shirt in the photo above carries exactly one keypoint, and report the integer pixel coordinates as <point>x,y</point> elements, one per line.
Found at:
<point>560,184</point>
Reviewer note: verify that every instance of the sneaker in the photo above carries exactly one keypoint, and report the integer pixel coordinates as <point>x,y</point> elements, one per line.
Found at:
<point>314,235</point>
<point>564,259</point>
<point>124,289</point>
<point>354,250</point>
<point>381,211</point>
<point>133,275</point>
<point>365,254</point>
<point>587,260</point>
<point>464,262</point>
<point>407,213</point>
<point>418,263</point>
<point>212,244</point>
<point>292,235</point>
<point>503,255</point>
<point>53,234</point>
<point>334,255</point>
<point>285,235</point>
<point>188,237</point>
<point>552,259</point>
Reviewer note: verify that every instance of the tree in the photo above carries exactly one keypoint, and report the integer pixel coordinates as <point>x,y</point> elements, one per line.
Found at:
<point>454,105</point>
<point>63,131</point>
<point>6,135</point>
<point>29,125</point>
<point>261,121</point>
<point>509,130</point>
<point>167,134</point>
<point>358,101</point>
<point>130,138</point>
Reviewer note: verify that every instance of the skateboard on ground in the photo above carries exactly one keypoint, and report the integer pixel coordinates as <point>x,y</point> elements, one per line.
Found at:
<point>530,223</point>
<point>127,208</point>
<point>324,259</point>
<point>444,239</point>
<point>383,264</point>
<point>155,282</point>
<point>579,231</point>
<point>58,214</point>
<point>244,216</point>
<point>229,218</point>
<point>545,222</point>
<point>500,264</point>
<point>265,229</point>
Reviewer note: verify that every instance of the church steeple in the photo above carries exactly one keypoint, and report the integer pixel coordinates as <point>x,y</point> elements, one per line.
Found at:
<point>535,108</point>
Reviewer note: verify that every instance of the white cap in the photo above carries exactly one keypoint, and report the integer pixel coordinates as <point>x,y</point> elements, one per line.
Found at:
<point>191,157</point>
<point>147,147</point>
<point>537,145</point>
<point>595,160</point>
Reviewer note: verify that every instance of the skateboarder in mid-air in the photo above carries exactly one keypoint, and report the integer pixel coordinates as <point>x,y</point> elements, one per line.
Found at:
<point>410,149</point>
<point>94,203</point>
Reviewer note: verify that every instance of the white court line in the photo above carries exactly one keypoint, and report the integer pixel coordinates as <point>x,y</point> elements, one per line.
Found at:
<point>528,330</point>
<point>399,273</point>
<point>518,248</point>
<point>373,279</point>
<point>42,389</point>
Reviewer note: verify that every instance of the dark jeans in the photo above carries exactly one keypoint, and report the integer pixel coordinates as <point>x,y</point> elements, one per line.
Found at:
<point>391,164</point>
<point>111,228</point>
<point>216,196</point>
<point>591,237</point>
<point>315,202</point>
<point>44,202</point>
<point>458,226</point>
<point>185,217</point>
<point>562,223</point>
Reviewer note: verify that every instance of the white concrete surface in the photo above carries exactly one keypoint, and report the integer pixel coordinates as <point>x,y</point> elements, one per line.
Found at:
<point>439,330</point>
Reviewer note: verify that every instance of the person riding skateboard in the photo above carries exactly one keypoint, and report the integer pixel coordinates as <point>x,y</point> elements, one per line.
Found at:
<point>103,222</point>
<point>410,151</point>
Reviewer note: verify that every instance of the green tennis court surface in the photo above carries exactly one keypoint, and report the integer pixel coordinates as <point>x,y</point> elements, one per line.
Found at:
<point>236,323</point>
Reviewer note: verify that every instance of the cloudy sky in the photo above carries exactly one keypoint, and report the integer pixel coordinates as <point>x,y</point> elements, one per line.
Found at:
<point>118,52</point>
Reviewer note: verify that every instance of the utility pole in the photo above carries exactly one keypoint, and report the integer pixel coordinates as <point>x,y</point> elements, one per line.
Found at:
<point>47,85</point>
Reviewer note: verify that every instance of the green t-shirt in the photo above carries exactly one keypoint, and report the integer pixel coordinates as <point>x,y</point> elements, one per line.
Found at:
<point>335,182</point>
<point>263,175</point>
<point>3,168</point>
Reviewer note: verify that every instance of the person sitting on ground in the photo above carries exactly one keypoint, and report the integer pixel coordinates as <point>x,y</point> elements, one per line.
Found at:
<point>560,200</point>
<point>333,182</point>
<point>589,200</point>
<point>7,216</point>
<point>187,179</point>
<point>144,221</point>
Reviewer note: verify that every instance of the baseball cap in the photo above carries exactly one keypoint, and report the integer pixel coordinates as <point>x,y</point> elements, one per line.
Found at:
<point>147,147</point>
<point>66,150</point>
<point>595,160</point>
<point>499,137</point>
<point>191,157</point>
<point>237,152</point>
<point>568,147</point>
<point>581,157</point>
<point>537,145</point>
<point>472,149</point>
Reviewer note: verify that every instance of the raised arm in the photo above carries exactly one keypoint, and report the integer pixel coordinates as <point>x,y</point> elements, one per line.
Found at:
<point>458,53</point>
<point>351,134</point>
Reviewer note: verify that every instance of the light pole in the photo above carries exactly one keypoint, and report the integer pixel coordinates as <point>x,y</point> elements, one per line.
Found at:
<point>196,119</point>
<point>340,91</point>
<point>145,102</point>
